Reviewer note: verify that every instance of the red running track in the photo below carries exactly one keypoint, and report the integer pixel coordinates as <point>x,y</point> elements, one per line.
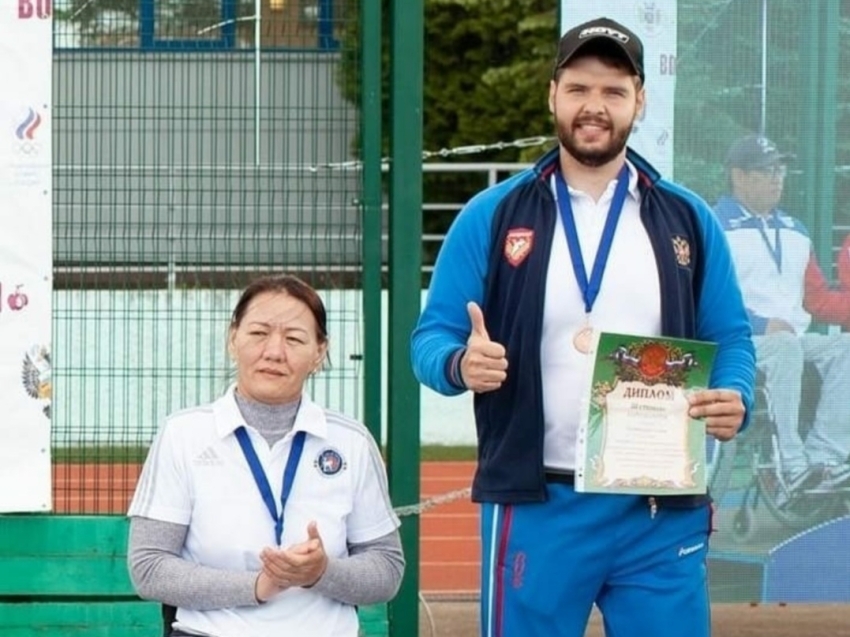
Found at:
<point>449,545</point>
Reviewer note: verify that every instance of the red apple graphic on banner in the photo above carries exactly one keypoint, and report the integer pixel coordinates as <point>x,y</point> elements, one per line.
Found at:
<point>17,300</point>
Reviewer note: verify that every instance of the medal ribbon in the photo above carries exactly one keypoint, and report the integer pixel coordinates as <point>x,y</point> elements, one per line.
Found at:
<point>775,250</point>
<point>590,288</point>
<point>263,482</point>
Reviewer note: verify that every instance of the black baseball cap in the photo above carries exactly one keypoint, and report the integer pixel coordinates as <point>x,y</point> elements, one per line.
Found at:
<point>754,152</point>
<point>601,30</point>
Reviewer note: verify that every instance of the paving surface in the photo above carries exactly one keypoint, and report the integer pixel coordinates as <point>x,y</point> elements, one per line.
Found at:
<point>460,619</point>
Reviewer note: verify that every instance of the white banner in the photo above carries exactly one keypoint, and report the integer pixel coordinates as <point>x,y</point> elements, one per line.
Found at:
<point>26,260</point>
<point>654,22</point>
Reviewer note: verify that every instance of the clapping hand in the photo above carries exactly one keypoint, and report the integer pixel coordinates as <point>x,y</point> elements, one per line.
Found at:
<point>299,565</point>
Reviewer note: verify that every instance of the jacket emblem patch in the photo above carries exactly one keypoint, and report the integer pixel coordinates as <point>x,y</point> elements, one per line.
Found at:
<point>518,244</point>
<point>682,250</point>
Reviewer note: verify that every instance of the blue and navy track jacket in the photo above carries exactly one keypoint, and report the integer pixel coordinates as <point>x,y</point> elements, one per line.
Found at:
<point>701,300</point>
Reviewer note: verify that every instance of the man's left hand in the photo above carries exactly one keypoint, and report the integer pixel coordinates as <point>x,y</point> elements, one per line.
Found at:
<point>722,410</point>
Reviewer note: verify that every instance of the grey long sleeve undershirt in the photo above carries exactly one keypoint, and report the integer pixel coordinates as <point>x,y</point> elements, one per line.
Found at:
<point>371,572</point>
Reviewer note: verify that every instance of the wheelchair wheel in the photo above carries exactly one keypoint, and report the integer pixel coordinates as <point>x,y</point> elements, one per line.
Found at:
<point>744,525</point>
<point>843,505</point>
<point>795,510</point>
<point>721,463</point>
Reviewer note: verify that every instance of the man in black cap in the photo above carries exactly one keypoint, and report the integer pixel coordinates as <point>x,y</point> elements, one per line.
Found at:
<point>594,139</point>
<point>590,239</point>
<point>784,289</point>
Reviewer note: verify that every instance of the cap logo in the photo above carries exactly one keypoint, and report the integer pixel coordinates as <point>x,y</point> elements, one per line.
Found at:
<point>611,33</point>
<point>766,145</point>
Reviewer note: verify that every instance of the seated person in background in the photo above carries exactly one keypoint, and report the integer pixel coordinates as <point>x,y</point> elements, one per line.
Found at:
<point>775,264</point>
<point>842,264</point>
<point>825,303</point>
<point>263,513</point>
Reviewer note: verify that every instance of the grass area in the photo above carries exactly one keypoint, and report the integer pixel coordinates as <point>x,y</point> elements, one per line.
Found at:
<point>430,453</point>
<point>96,454</point>
<point>134,454</point>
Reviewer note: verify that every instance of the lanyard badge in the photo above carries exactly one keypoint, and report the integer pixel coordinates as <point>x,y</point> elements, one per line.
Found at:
<point>262,481</point>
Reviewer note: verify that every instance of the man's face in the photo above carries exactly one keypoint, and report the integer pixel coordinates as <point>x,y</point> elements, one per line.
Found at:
<point>594,107</point>
<point>759,190</point>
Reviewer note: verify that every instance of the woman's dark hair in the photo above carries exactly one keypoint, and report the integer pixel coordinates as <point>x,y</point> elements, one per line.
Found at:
<point>284,284</point>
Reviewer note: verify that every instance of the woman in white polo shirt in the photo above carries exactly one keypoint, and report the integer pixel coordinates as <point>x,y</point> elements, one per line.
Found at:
<point>263,514</point>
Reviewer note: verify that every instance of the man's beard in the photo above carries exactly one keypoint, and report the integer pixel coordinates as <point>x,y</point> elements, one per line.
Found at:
<point>593,157</point>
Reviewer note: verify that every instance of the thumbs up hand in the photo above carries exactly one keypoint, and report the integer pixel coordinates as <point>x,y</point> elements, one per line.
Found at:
<point>484,364</point>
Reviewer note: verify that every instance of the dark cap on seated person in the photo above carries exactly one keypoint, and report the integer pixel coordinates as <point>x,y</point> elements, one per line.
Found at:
<point>604,31</point>
<point>754,152</point>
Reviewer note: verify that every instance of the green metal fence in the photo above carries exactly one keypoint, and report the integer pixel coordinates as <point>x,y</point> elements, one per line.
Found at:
<point>196,147</point>
<point>768,66</point>
<point>193,151</point>
<point>201,144</point>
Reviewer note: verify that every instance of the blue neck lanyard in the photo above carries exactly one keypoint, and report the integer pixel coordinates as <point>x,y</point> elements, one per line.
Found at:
<point>590,288</point>
<point>263,483</point>
<point>775,249</point>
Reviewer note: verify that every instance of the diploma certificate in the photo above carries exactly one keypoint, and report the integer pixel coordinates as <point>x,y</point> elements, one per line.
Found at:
<point>635,435</point>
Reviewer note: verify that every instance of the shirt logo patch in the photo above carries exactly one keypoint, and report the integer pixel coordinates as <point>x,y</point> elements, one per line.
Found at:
<point>329,462</point>
<point>518,244</point>
<point>208,458</point>
<point>682,250</point>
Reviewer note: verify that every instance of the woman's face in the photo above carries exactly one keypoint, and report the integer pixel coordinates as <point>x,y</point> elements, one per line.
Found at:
<point>275,347</point>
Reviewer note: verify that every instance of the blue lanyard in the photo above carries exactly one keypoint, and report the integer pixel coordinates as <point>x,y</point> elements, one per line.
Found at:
<point>590,289</point>
<point>262,481</point>
<point>775,249</point>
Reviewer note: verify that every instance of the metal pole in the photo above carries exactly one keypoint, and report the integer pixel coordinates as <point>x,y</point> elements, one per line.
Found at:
<point>830,20</point>
<point>405,227</point>
<point>258,9</point>
<point>806,152</point>
<point>173,238</point>
<point>763,113</point>
<point>371,209</point>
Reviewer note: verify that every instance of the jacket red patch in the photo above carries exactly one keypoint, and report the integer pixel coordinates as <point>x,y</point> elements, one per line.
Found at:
<point>518,244</point>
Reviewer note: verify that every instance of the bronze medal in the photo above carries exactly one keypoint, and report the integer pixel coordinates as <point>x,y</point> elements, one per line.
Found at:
<point>583,339</point>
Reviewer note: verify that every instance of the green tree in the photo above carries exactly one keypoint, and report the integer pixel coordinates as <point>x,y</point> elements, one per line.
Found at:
<point>99,22</point>
<point>719,95</point>
<point>719,84</point>
<point>487,64</point>
<point>486,67</point>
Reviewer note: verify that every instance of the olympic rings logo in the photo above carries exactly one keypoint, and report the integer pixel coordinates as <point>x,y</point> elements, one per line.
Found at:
<point>28,147</point>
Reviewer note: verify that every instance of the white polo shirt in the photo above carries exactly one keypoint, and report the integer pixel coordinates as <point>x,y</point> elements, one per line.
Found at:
<point>629,302</point>
<point>771,290</point>
<point>196,475</point>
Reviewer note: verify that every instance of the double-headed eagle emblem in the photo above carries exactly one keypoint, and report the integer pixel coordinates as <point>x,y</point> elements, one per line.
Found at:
<point>36,375</point>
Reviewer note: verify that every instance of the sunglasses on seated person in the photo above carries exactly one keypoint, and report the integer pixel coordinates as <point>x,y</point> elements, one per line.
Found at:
<point>777,171</point>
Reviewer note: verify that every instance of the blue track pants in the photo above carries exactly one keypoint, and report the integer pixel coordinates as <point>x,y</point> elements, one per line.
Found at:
<point>545,564</point>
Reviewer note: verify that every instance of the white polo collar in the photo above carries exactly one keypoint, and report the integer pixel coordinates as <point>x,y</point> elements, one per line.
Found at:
<point>633,191</point>
<point>310,417</point>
